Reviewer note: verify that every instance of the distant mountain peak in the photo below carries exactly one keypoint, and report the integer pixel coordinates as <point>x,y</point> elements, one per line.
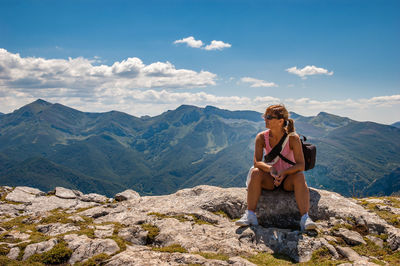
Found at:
<point>41,102</point>
<point>397,124</point>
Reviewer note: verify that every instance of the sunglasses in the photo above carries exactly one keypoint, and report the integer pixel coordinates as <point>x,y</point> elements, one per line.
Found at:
<point>270,117</point>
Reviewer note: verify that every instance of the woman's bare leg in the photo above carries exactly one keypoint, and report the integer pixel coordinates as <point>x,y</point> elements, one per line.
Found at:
<point>297,183</point>
<point>259,180</point>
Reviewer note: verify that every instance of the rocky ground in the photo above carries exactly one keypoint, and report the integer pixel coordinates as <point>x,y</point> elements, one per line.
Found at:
<point>193,226</point>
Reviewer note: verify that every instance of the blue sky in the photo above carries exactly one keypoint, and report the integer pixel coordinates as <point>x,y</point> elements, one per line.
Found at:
<point>341,57</point>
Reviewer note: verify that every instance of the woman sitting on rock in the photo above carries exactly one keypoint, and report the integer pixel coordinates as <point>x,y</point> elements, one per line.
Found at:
<point>278,173</point>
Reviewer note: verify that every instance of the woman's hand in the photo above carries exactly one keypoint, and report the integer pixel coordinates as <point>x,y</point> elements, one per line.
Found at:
<point>279,177</point>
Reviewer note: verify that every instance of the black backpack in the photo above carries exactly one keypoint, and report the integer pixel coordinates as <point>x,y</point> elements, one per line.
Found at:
<point>309,153</point>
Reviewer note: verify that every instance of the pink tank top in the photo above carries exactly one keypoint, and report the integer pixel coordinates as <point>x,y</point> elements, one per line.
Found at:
<point>287,152</point>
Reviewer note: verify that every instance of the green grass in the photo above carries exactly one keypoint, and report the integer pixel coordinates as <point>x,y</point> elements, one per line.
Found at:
<point>152,230</point>
<point>390,218</point>
<point>383,254</point>
<point>59,254</point>
<point>269,259</point>
<point>4,260</point>
<point>57,216</point>
<point>222,213</point>
<point>181,217</point>
<point>95,260</point>
<point>171,249</point>
<point>213,256</point>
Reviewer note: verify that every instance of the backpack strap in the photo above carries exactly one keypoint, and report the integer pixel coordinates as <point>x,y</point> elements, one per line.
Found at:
<point>273,156</point>
<point>283,157</point>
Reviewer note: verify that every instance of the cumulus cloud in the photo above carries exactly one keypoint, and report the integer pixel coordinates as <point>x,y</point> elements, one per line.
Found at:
<point>214,45</point>
<point>308,71</point>
<point>191,42</point>
<point>217,45</point>
<point>257,83</point>
<point>81,74</point>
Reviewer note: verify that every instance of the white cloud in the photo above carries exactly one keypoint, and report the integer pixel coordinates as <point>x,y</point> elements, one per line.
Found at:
<point>256,83</point>
<point>214,45</point>
<point>190,41</point>
<point>217,45</point>
<point>309,71</point>
<point>81,74</point>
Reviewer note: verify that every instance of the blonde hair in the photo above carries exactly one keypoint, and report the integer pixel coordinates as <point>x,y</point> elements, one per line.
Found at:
<point>280,111</point>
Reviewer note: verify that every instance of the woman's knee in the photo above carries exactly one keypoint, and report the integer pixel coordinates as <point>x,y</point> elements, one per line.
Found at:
<point>256,175</point>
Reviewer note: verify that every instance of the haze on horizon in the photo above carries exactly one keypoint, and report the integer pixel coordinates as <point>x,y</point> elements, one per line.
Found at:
<point>147,57</point>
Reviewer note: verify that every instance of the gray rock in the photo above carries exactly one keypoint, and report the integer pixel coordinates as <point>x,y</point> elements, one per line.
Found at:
<point>239,261</point>
<point>11,210</point>
<point>24,194</point>
<point>96,212</point>
<point>331,248</point>
<point>142,255</point>
<point>376,201</point>
<point>39,248</point>
<point>103,231</point>
<point>76,218</point>
<point>93,197</point>
<point>65,193</point>
<point>388,209</point>
<point>376,240</point>
<point>134,234</point>
<point>85,248</point>
<point>14,253</point>
<point>331,238</point>
<point>42,204</point>
<point>350,237</point>
<point>15,235</point>
<point>394,238</point>
<point>127,195</point>
<point>56,228</point>
<point>348,253</point>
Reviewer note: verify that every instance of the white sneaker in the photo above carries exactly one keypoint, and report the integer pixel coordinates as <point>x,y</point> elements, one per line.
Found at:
<point>306,223</point>
<point>248,218</point>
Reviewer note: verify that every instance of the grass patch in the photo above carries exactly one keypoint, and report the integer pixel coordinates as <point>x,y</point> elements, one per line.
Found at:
<point>181,217</point>
<point>9,262</point>
<point>269,259</point>
<point>120,242</point>
<point>322,256</point>
<point>222,213</point>
<point>89,232</point>
<point>213,256</point>
<point>199,220</point>
<point>59,254</point>
<point>95,260</point>
<point>389,217</point>
<point>4,250</point>
<point>171,249</point>
<point>56,216</point>
<point>382,254</point>
<point>17,224</point>
<point>337,226</point>
<point>152,232</point>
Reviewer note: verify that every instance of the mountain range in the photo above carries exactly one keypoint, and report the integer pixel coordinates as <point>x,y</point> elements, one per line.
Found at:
<point>45,145</point>
<point>397,124</point>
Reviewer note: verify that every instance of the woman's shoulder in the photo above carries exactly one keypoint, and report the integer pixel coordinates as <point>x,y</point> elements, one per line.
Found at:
<point>262,135</point>
<point>294,138</point>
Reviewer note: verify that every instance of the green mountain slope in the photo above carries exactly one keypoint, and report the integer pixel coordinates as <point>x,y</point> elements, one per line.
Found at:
<point>46,175</point>
<point>181,148</point>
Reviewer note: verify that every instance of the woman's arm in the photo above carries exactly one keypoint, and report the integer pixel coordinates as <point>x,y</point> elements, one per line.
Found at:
<point>258,153</point>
